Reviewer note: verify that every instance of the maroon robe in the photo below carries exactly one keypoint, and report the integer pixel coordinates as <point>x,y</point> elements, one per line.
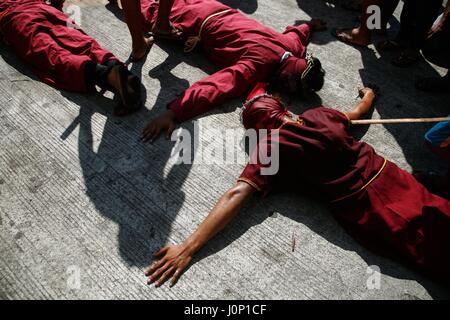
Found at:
<point>42,37</point>
<point>380,204</point>
<point>248,51</point>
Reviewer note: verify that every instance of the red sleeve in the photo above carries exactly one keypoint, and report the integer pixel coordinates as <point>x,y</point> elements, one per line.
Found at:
<point>259,89</point>
<point>260,172</point>
<point>298,37</point>
<point>252,175</point>
<point>212,91</point>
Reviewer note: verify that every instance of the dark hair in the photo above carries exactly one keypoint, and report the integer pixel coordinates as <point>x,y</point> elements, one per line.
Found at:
<point>314,80</point>
<point>58,4</point>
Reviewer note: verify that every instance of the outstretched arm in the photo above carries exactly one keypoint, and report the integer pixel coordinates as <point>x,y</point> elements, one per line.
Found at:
<point>367,96</point>
<point>299,35</point>
<point>205,94</point>
<point>174,259</point>
<point>133,17</point>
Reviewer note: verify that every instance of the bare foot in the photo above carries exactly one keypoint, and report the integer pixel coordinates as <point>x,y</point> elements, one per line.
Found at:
<point>353,36</point>
<point>140,50</point>
<point>168,32</point>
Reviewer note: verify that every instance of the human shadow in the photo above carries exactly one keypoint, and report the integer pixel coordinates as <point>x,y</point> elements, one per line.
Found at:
<point>128,182</point>
<point>171,85</point>
<point>252,215</point>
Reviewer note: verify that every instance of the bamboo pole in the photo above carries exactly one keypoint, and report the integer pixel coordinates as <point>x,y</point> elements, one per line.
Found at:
<point>404,120</point>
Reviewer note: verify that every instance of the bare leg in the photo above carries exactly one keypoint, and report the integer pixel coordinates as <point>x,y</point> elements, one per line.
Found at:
<point>163,27</point>
<point>133,17</point>
<point>361,35</point>
<point>162,22</point>
<point>387,10</point>
<point>367,96</point>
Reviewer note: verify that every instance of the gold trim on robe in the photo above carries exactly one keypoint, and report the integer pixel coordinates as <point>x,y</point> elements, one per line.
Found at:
<point>250,182</point>
<point>364,186</point>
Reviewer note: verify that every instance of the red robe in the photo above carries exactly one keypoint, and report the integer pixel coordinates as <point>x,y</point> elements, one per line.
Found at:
<point>248,51</point>
<point>40,35</point>
<point>380,204</point>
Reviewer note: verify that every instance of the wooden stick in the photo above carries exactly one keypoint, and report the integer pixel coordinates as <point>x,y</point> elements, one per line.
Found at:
<point>404,120</point>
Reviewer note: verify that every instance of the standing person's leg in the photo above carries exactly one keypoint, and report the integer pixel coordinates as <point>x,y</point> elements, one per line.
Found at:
<point>163,28</point>
<point>427,12</point>
<point>387,10</point>
<point>141,45</point>
<point>361,35</point>
<point>416,21</point>
<point>437,50</point>
<point>406,22</point>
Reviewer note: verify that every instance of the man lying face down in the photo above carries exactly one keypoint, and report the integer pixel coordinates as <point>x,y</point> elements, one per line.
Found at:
<point>62,55</point>
<point>378,203</point>
<point>247,51</point>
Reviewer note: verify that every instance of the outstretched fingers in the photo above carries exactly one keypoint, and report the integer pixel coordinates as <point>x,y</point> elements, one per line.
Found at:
<point>177,275</point>
<point>157,271</point>
<point>172,261</point>
<point>165,276</point>
<point>161,251</point>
